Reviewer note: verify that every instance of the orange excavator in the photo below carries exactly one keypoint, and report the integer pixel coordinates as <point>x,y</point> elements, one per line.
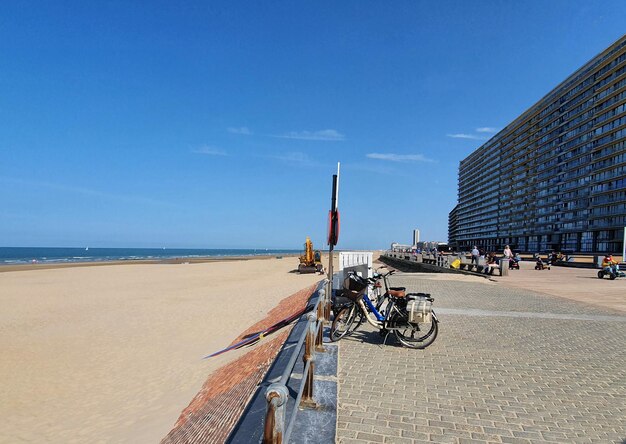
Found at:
<point>310,261</point>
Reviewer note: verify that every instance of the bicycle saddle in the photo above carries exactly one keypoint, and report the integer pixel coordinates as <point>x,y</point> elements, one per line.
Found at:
<point>397,292</point>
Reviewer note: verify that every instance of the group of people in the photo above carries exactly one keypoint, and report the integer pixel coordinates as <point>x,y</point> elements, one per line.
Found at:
<point>491,259</point>
<point>552,259</point>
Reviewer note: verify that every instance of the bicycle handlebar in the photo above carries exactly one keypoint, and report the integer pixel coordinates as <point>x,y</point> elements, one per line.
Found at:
<point>376,276</point>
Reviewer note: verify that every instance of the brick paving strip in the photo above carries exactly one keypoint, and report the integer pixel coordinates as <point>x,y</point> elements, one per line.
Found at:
<point>213,412</point>
<point>509,366</point>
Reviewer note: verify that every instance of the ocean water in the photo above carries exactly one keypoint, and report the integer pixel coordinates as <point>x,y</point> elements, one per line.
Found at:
<point>25,255</point>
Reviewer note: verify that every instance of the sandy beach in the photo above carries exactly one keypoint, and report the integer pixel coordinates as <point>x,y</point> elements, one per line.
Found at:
<point>113,353</point>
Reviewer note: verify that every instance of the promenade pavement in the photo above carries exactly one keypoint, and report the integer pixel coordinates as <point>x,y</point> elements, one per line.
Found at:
<point>510,365</point>
<point>577,284</point>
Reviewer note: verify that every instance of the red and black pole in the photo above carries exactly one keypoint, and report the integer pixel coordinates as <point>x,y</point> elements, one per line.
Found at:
<point>333,235</point>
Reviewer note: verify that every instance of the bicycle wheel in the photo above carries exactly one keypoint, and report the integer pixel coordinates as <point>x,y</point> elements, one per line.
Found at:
<point>414,335</point>
<point>342,322</point>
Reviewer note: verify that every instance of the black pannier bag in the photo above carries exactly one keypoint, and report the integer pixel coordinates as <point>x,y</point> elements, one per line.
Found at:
<point>354,286</point>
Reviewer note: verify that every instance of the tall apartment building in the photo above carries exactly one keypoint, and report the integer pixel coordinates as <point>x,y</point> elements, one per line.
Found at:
<point>416,237</point>
<point>555,177</point>
<point>453,227</point>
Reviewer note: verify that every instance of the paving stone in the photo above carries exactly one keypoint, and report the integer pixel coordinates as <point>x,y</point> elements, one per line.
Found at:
<point>503,378</point>
<point>370,437</point>
<point>397,440</point>
<point>344,440</point>
<point>359,427</point>
<point>402,425</point>
<point>414,435</point>
<point>386,431</point>
<point>513,440</point>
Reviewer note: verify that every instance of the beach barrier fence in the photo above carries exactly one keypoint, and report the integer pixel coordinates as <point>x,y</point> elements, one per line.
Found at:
<point>356,260</point>
<point>277,430</point>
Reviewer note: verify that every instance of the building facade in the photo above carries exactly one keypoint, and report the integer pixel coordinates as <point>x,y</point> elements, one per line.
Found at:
<point>453,226</point>
<point>416,237</point>
<point>555,177</point>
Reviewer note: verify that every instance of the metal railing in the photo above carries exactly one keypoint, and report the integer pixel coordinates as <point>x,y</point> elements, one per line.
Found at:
<point>276,430</point>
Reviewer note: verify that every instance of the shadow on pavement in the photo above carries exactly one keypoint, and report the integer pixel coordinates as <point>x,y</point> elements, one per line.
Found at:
<point>372,337</point>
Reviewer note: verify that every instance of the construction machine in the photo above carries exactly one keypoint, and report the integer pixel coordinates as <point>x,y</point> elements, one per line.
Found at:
<point>310,261</point>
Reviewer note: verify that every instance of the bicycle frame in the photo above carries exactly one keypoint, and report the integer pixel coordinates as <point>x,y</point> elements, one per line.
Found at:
<point>373,317</point>
<point>371,312</point>
<point>376,321</point>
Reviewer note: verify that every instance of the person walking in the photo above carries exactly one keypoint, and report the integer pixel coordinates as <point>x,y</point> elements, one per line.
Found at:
<point>475,255</point>
<point>508,255</point>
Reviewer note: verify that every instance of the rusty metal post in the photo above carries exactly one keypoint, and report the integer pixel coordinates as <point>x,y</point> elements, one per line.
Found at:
<point>319,331</point>
<point>329,298</point>
<point>322,299</point>
<point>327,304</point>
<point>309,356</point>
<point>274,427</point>
<point>322,302</point>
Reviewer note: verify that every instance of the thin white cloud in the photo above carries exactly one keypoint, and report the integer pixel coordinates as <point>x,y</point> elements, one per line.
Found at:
<point>296,159</point>
<point>378,169</point>
<point>466,136</point>
<point>210,151</point>
<point>487,129</point>
<point>399,157</point>
<point>243,130</point>
<point>327,135</point>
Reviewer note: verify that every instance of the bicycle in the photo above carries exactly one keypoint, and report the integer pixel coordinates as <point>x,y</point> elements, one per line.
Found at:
<point>409,316</point>
<point>377,300</point>
<point>375,295</point>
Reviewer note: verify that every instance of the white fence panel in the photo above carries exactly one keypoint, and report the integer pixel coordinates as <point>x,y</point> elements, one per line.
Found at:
<point>361,261</point>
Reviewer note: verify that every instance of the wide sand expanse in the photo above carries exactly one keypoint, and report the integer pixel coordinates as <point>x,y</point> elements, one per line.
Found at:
<point>113,353</point>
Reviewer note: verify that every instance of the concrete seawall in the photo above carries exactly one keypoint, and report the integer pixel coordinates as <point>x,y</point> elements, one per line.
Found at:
<point>424,264</point>
<point>420,267</point>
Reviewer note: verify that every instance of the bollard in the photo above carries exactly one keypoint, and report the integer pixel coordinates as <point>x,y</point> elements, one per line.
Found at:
<point>319,335</point>
<point>504,267</point>
<point>274,427</point>
<point>309,356</point>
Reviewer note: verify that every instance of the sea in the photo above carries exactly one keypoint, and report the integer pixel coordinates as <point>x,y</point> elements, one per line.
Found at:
<point>27,255</point>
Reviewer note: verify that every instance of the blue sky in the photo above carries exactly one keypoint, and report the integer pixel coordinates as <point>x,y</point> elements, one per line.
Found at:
<point>219,124</point>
